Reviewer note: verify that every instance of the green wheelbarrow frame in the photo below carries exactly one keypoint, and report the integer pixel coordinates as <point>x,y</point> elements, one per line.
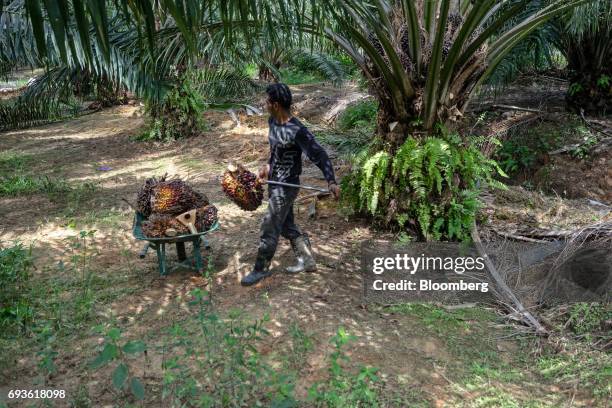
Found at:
<point>159,244</point>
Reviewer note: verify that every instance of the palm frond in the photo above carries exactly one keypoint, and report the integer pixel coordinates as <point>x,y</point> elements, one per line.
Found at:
<point>324,64</point>
<point>221,85</point>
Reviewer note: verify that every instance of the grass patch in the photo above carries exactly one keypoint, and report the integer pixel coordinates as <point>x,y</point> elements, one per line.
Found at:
<point>441,320</point>
<point>479,368</point>
<point>591,369</point>
<point>586,318</point>
<point>525,150</point>
<point>297,77</point>
<point>13,186</point>
<point>16,309</point>
<point>64,294</point>
<point>65,300</point>
<point>11,162</point>
<point>213,359</point>
<point>465,332</point>
<point>105,218</point>
<point>57,190</point>
<point>359,115</point>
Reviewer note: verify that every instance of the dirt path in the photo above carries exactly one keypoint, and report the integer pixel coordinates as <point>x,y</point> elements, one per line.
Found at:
<point>413,356</point>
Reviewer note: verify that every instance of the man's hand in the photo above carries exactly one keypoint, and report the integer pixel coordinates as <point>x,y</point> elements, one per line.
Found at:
<point>335,190</point>
<point>263,171</point>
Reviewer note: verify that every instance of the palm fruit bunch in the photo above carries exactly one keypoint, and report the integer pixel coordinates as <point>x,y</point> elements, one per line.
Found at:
<point>158,225</point>
<point>200,199</point>
<point>175,197</point>
<point>143,199</point>
<point>206,217</point>
<point>161,200</point>
<point>404,52</point>
<point>454,23</point>
<point>373,39</point>
<point>242,187</point>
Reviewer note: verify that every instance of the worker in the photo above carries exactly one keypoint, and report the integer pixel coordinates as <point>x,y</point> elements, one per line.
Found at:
<point>288,138</point>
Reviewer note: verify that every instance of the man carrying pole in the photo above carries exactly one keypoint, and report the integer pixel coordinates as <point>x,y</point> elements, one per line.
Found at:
<point>288,138</point>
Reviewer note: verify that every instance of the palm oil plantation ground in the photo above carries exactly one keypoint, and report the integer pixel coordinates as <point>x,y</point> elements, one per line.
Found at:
<point>307,340</point>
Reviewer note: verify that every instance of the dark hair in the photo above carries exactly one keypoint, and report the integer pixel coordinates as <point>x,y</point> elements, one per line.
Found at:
<point>280,93</point>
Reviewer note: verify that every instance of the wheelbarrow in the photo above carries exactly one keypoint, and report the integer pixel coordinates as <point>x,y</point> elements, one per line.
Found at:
<point>159,244</point>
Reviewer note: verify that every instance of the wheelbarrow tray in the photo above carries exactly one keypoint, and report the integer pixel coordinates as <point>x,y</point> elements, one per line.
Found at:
<point>159,244</point>
<point>139,234</point>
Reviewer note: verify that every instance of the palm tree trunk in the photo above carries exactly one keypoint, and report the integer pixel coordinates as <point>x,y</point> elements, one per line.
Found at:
<point>266,74</point>
<point>590,75</point>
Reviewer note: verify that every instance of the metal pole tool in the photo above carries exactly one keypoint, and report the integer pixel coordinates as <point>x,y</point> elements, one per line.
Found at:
<point>280,183</point>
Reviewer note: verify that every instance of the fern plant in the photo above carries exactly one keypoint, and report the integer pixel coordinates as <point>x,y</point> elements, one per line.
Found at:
<point>431,184</point>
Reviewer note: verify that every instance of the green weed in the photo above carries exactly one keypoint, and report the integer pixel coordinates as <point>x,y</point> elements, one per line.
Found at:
<point>586,318</point>
<point>47,354</point>
<point>604,81</point>
<point>441,320</point>
<point>16,309</point>
<point>82,250</point>
<point>301,344</point>
<point>592,370</point>
<point>228,367</point>
<point>57,190</point>
<point>588,141</point>
<point>106,218</point>
<point>359,115</point>
<point>74,197</point>
<point>513,157</point>
<point>119,352</point>
<point>344,388</point>
<point>574,88</point>
<point>524,150</point>
<point>11,162</point>
<point>81,398</point>
<point>292,76</point>
<point>16,185</point>
<point>486,371</point>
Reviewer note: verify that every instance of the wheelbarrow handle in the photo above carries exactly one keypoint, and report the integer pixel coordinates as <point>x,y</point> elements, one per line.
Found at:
<point>280,183</point>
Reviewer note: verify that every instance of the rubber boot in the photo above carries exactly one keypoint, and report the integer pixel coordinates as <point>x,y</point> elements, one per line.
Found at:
<point>260,271</point>
<point>303,253</point>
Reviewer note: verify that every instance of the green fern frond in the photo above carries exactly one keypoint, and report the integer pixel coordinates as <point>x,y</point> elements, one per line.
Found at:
<point>420,176</point>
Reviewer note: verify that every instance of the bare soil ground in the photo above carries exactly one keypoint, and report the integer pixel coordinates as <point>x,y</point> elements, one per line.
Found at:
<point>428,365</point>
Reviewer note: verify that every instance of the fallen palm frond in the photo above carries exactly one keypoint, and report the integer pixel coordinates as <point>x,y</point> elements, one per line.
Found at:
<point>22,113</point>
<point>545,275</point>
<point>503,290</point>
<point>587,252</point>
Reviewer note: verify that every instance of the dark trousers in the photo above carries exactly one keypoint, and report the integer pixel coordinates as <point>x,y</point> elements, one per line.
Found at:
<point>278,221</point>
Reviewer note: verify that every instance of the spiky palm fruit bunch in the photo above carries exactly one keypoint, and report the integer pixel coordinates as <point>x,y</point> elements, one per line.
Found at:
<point>201,200</point>
<point>174,197</point>
<point>206,217</point>
<point>143,198</point>
<point>243,188</point>
<point>157,225</point>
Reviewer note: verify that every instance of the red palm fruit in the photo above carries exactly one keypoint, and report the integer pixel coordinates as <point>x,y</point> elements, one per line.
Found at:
<point>243,188</point>
<point>205,217</point>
